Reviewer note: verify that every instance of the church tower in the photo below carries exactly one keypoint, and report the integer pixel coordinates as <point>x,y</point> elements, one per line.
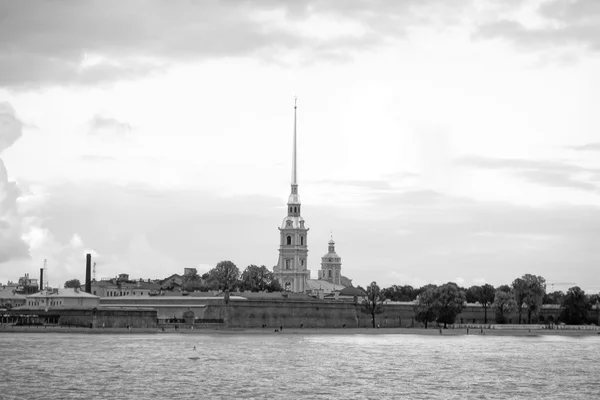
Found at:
<point>331,265</point>
<point>291,269</point>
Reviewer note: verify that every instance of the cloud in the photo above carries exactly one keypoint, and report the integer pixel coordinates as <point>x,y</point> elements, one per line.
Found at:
<point>11,128</point>
<point>154,233</point>
<point>12,245</point>
<point>563,23</point>
<point>101,125</point>
<point>587,147</point>
<point>543,172</point>
<point>99,41</point>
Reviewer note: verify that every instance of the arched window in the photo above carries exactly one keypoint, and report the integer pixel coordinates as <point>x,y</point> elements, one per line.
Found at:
<point>287,264</point>
<point>330,273</point>
<point>301,240</point>
<point>289,240</point>
<point>295,210</point>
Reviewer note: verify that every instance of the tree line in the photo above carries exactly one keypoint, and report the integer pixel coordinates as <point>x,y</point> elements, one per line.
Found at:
<point>443,303</point>
<point>226,277</point>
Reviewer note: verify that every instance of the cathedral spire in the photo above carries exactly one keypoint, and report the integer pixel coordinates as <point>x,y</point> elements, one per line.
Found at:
<point>294,181</point>
<point>294,199</point>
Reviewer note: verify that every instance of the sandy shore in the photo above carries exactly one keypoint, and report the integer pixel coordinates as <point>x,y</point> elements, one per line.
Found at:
<point>307,331</point>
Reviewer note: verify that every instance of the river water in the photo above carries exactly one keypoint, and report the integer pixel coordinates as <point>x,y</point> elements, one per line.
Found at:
<point>297,366</point>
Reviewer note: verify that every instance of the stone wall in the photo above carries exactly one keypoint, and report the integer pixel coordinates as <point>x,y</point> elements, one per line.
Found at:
<point>290,313</point>
<point>256,313</point>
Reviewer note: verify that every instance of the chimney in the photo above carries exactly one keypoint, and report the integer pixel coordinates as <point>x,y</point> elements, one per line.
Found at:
<point>41,279</point>
<point>88,273</point>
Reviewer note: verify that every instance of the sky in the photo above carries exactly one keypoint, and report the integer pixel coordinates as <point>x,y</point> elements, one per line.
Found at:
<point>438,140</point>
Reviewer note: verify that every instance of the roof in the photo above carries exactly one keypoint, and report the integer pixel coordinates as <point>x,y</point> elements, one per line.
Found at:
<point>63,292</point>
<point>351,291</point>
<point>268,295</point>
<point>316,284</point>
<point>296,223</point>
<point>10,294</point>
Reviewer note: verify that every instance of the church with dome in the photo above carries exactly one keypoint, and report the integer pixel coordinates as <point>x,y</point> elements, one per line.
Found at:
<point>292,267</point>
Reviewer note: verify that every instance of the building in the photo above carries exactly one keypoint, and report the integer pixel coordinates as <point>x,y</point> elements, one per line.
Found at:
<point>331,266</point>
<point>9,298</point>
<point>123,287</point>
<point>66,298</point>
<point>292,268</point>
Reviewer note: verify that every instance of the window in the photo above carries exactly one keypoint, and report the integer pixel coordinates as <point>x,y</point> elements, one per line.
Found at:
<point>301,240</point>
<point>330,273</point>
<point>287,264</point>
<point>294,209</point>
<point>289,240</point>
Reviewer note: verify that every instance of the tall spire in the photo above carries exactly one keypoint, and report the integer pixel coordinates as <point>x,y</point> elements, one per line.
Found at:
<point>294,199</point>
<point>294,177</point>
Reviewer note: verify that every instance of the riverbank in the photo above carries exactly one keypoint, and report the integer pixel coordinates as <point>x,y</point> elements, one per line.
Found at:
<point>524,331</point>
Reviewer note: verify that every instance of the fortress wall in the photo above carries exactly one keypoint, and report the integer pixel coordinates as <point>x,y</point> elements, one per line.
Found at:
<point>124,318</point>
<point>290,313</point>
<point>252,313</point>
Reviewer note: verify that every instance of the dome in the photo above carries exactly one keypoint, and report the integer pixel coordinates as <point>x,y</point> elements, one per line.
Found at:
<point>294,198</point>
<point>295,223</point>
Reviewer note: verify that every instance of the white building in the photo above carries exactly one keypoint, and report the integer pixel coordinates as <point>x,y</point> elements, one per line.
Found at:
<point>62,298</point>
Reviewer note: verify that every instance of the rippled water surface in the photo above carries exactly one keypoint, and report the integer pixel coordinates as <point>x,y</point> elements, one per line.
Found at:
<point>256,366</point>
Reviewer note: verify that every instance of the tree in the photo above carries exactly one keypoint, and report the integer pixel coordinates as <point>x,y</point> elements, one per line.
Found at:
<point>504,302</point>
<point>258,279</point>
<point>73,283</point>
<point>504,288</point>
<point>575,307</point>
<point>225,276</point>
<point>192,281</point>
<point>373,302</point>
<point>425,307</point>
<point>450,302</point>
<point>400,293</point>
<point>536,289</point>
<point>423,289</point>
<point>486,298</point>
<point>473,293</point>
<point>555,297</point>
<point>519,290</point>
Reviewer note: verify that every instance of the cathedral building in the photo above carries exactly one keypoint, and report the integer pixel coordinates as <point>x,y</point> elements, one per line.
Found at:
<point>292,269</point>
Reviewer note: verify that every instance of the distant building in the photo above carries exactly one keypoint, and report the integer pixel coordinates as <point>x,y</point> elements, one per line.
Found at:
<point>26,285</point>
<point>173,282</point>
<point>9,298</point>
<point>122,286</point>
<point>62,298</point>
<point>292,268</point>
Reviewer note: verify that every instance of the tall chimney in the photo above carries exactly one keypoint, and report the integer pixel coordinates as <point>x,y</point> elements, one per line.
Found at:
<point>41,279</point>
<point>88,273</point>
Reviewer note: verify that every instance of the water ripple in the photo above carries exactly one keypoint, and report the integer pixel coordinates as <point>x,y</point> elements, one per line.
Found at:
<point>72,366</point>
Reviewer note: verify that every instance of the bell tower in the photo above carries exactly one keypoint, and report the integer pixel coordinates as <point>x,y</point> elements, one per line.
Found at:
<point>292,269</point>
<point>331,265</point>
